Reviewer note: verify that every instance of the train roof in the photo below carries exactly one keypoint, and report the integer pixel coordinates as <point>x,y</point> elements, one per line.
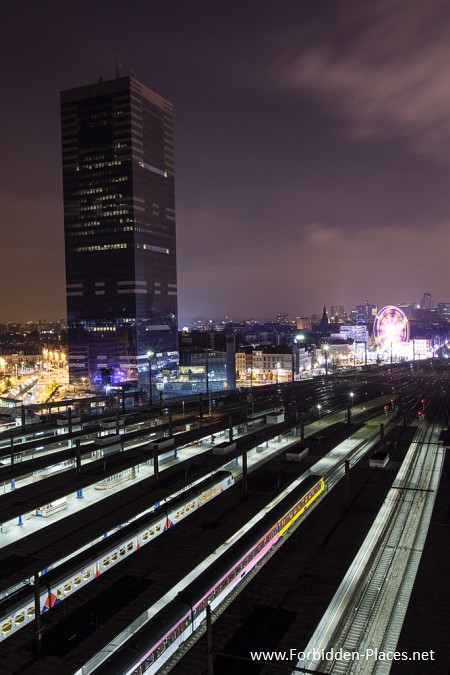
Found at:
<point>154,630</point>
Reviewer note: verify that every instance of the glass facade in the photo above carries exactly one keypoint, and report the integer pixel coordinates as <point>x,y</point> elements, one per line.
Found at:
<point>119,220</point>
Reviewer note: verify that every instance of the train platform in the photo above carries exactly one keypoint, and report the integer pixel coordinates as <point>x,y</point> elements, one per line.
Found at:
<point>40,546</point>
<point>80,626</point>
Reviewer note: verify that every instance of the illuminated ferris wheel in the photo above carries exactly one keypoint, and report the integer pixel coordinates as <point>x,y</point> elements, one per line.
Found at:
<point>391,327</point>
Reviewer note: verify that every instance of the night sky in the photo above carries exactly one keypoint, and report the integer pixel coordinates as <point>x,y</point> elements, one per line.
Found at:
<point>312,146</point>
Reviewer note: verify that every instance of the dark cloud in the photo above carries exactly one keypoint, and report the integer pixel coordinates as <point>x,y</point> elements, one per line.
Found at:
<point>393,77</point>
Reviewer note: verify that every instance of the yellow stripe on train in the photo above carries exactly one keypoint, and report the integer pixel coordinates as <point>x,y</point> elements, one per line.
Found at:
<point>292,515</point>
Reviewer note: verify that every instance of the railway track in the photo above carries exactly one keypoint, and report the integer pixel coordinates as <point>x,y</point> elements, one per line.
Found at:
<point>368,609</point>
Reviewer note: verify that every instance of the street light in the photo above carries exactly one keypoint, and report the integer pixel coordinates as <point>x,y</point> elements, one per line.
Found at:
<point>150,355</point>
<point>295,342</point>
<point>325,349</point>
<point>351,394</point>
<point>319,408</point>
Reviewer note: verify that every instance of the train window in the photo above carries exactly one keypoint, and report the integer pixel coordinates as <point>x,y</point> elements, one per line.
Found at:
<point>20,618</point>
<point>158,528</point>
<point>208,494</point>
<point>77,580</point>
<point>152,532</point>
<point>59,593</point>
<point>145,536</point>
<point>106,561</point>
<point>30,612</point>
<point>122,551</point>
<point>182,512</point>
<point>130,546</point>
<point>203,498</point>
<point>6,627</point>
<point>177,515</point>
<point>87,574</point>
<point>114,556</point>
<point>68,587</point>
<point>188,508</point>
<point>193,505</point>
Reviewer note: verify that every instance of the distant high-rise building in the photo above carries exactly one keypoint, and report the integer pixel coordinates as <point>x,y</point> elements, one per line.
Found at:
<point>119,220</point>
<point>366,312</point>
<point>444,309</point>
<point>426,303</point>
<point>337,312</point>
<point>283,318</point>
<point>303,323</point>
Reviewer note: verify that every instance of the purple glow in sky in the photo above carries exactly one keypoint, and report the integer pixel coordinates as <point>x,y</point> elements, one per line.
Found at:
<point>312,146</point>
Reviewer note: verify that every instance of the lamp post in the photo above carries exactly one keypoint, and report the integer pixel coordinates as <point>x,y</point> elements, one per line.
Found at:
<point>325,349</point>
<point>208,393</point>
<point>351,394</point>
<point>295,343</point>
<point>319,408</point>
<point>150,355</point>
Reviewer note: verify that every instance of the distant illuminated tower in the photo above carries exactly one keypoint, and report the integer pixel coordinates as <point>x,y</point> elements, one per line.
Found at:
<point>119,221</point>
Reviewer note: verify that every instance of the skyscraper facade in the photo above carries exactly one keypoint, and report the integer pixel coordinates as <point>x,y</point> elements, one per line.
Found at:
<point>119,223</point>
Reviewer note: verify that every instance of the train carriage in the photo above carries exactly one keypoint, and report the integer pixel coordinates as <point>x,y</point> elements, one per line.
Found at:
<point>63,581</point>
<point>164,633</point>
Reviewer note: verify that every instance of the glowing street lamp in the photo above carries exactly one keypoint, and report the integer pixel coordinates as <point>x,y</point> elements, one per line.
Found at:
<point>351,394</point>
<point>319,408</point>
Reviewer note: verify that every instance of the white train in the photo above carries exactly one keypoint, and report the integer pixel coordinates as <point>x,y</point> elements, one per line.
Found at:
<point>153,644</point>
<point>18,610</point>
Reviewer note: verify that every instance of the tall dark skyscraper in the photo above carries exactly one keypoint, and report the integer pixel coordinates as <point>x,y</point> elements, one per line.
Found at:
<point>119,221</point>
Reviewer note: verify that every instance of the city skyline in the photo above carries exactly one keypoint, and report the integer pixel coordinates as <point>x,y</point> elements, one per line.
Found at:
<point>312,148</point>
